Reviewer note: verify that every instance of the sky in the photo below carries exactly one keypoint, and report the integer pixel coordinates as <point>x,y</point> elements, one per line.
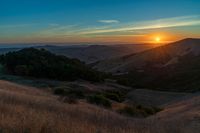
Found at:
<point>98,21</point>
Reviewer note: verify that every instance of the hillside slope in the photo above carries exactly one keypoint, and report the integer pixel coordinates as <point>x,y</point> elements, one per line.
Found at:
<point>93,53</point>
<point>183,114</point>
<point>28,109</point>
<point>158,57</point>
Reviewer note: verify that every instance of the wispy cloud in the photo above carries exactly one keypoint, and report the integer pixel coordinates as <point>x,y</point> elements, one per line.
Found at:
<point>112,29</point>
<point>152,24</point>
<point>139,28</point>
<point>69,30</point>
<point>108,21</point>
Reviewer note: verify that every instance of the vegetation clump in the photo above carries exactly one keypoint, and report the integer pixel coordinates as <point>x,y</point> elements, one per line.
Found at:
<point>139,111</point>
<point>99,100</point>
<point>40,63</point>
<point>69,99</point>
<point>114,95</point>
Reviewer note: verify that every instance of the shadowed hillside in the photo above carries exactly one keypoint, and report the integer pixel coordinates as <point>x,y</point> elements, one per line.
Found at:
<point>173,67</point>
<point>162,56</point>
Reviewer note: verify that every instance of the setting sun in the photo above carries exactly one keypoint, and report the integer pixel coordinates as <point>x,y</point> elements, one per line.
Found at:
<point>157,39</point>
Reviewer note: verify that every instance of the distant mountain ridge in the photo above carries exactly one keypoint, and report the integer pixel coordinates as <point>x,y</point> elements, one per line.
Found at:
<point>90,53</point>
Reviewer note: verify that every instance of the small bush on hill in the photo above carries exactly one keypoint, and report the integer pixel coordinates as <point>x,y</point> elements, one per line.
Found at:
<point>139,111</point>
<point>70,100</point>
<point>117,96</point>
<point>99,100</point>
<point>147,111</point>
<point>113,96</point>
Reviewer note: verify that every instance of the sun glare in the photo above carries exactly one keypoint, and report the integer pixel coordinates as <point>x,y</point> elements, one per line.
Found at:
<point>158,39</point>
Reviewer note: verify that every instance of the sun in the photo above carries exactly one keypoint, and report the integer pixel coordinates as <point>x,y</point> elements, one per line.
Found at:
<point>157,39</point>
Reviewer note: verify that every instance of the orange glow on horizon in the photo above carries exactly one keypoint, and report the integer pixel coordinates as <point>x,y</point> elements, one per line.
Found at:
<point>161,38</point>
<point>158,38</point>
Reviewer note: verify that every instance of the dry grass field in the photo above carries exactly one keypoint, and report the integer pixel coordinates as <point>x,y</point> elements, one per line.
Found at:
<point>30,110</point>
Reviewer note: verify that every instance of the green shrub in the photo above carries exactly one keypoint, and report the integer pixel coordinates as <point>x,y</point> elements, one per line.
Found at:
<point>115,95</point>
<point>139,111</point>
<point>99,100</point>
<point>156,109</point>
<point>147,111</point>
<point>21,70</point>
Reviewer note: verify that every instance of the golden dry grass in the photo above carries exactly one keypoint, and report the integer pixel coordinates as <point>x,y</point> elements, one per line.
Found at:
<point>30,110</point>
<point>27,109</point>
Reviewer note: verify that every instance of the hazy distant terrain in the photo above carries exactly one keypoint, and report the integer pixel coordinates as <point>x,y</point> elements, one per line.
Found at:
<point>90,53</point>
<point>93,53</point>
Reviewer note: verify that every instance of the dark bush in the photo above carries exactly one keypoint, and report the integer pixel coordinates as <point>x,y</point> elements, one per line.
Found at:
<point>115,95</point>
<point>70,100</point>
<point>156,109</point>
<point>139,111</point>
<point>21,70</point>
<point>147,111</point>
<point>99,100</point>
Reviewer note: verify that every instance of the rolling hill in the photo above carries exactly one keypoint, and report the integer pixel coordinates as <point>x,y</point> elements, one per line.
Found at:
<point>93,53</point>
<point>172,67</point>
<point>157,57</point>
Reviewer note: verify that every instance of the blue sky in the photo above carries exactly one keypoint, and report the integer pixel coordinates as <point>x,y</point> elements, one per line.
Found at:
<point>97,20</point>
